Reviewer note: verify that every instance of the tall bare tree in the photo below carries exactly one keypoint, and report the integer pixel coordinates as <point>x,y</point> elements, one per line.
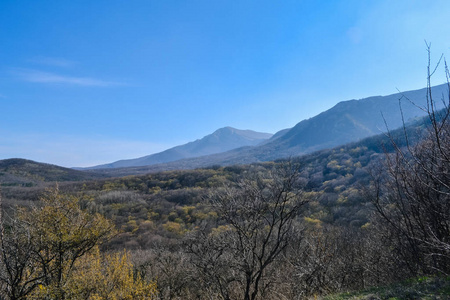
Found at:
<point>414,197</point>
<point>258,212</point>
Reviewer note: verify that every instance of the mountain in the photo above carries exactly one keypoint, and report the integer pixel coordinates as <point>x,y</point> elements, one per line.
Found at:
<point>350,121</point>
<point>221,140</point>
<point>347,121</point>
<point>16,171</point>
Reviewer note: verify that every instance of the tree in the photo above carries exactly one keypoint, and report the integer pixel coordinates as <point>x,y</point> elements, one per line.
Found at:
<point>19,274</point>
<point>258,212</point>
<point>42,246</point>
<point>413,197</point>
<point>100,276</point>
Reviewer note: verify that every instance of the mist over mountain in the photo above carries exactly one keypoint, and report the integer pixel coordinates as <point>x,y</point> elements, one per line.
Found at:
<point>222,140</point>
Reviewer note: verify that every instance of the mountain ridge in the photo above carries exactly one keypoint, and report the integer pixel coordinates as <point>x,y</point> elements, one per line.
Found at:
<point>346,122</point>
<point>221,140</point>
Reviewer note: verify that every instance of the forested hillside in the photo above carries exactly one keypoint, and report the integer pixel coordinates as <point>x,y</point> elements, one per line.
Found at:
<point>21,171</point>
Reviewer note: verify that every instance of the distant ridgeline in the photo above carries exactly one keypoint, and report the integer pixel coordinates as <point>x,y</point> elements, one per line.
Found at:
<point>347,121</point>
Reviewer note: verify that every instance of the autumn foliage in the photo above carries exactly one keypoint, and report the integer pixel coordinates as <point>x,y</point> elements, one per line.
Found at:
<point>51,252</point>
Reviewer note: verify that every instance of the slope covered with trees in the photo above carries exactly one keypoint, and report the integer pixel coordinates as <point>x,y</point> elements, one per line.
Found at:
<point>16,171</point>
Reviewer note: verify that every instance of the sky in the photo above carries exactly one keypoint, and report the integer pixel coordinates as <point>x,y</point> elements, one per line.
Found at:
<point>89,82</point>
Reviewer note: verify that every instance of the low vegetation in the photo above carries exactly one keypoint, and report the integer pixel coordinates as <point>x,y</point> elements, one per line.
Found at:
<point>417,288</point>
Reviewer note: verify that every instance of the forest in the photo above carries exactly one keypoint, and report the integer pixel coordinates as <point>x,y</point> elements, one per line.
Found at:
<point>363,215</point>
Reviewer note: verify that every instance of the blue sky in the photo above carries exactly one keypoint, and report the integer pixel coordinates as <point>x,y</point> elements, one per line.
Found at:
<point>90,82</point>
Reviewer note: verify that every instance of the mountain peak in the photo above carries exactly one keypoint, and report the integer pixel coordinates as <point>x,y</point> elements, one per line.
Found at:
<point>246,133</point>
<point>221,140</point>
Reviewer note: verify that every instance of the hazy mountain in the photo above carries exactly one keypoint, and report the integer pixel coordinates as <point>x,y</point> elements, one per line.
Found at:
<point>347,121</point>
<point>352,120</point>
<point>221,140</point>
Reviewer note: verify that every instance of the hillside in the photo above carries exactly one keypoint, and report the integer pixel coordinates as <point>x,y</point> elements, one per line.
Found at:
<point>417,288</point>
<point>221,140</point>
<point>17,171</point>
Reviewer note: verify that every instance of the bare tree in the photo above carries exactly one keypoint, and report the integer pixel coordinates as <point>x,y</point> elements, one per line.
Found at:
<point>258,213</point>
<point>18,275</point>
<point>414,196</point>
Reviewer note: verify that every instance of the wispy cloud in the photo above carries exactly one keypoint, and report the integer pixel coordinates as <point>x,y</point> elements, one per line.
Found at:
<point>53,61</point>
<point>37,76</point>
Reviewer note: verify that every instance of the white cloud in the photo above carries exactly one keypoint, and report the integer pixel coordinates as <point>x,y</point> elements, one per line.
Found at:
<point>47,77</point>
<point>73,151</point>
<point>53,61</point>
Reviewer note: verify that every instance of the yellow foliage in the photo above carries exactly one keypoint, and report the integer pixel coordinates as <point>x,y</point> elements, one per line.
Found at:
<point>101,277</point>
<point>213,215</point>
<point>173,227</point>
<point>365,226</point>
<point>155,190</point>
<point>62,233</point>
<point>342,199</point>
<point>334,165</point>
<point>314,222</point>
<point>109,186</point>
<point>221,229</point>
<point>131,226</point>
<point>147,225</point>
<point>151,215</point>
<point>200,216</point>
<point>187,210</point>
